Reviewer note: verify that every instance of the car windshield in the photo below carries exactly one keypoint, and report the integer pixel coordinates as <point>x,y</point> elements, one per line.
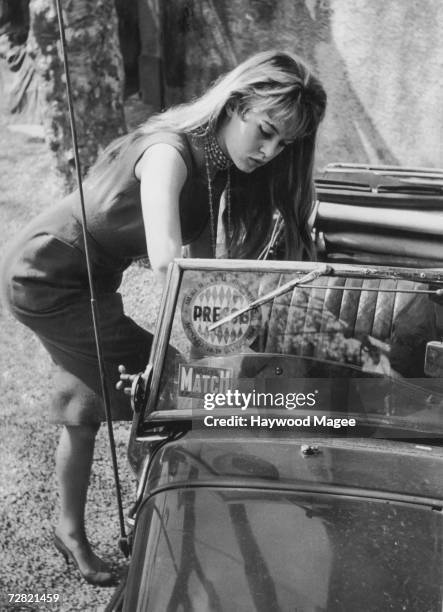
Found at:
<point>343,344</point>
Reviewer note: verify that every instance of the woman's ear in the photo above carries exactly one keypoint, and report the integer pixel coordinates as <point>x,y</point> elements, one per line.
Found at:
<point>231,107</point>
<point>235,105</point>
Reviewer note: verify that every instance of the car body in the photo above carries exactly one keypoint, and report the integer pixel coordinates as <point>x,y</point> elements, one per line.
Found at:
<point>291,457</point>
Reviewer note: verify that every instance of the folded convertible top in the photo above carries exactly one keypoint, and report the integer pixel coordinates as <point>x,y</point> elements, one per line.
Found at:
<point>389,215</point>
<point>396,186</point>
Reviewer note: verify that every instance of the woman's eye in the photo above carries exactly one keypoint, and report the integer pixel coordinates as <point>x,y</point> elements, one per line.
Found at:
<point>265,133</point>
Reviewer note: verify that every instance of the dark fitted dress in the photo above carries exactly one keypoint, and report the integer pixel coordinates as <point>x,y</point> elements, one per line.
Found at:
<point>45,284</point>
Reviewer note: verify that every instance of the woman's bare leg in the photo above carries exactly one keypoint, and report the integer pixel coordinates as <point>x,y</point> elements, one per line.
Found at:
<point>73,469</point>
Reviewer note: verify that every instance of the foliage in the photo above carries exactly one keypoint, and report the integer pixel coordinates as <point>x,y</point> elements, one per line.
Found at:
<point>96,70</point>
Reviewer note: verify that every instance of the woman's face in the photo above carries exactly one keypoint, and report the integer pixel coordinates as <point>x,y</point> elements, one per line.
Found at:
<point>252,139</point>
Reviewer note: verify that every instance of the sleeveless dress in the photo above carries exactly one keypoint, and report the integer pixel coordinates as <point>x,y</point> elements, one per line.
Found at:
<point>45,283</point>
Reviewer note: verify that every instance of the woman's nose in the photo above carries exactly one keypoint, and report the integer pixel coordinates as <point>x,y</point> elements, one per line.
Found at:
<point>270,149</point>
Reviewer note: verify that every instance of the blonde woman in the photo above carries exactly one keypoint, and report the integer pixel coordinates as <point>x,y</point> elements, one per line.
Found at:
<point>252,136</point>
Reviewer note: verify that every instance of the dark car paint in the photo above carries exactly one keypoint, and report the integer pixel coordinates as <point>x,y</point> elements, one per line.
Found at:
<point>391,468</point>
<point>260,525</point>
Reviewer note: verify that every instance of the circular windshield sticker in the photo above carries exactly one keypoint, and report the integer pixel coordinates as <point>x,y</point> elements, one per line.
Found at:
<point>207,304</point>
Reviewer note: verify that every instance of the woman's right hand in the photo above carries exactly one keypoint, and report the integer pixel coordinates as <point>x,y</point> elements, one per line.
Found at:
<point>126,380</point>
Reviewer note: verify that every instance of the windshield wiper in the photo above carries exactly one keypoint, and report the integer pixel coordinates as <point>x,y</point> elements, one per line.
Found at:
<point>322,270</point>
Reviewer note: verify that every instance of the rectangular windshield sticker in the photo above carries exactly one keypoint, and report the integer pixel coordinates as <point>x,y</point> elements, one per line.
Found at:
<point>196,381</point>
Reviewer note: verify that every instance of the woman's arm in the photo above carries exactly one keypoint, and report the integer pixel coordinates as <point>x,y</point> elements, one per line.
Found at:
<point>162,173</point>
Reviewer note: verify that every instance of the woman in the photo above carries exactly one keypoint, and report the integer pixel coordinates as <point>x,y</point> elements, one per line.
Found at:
<point>252,136</point>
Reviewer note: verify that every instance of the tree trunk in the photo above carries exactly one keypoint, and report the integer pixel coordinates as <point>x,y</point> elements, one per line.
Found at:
<point>97,78</point>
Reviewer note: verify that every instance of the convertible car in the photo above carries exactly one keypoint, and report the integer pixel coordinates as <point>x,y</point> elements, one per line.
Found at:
<point>287,433</point>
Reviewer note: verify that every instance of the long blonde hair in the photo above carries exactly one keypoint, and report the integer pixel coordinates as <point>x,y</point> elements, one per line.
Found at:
<point>281,84</point>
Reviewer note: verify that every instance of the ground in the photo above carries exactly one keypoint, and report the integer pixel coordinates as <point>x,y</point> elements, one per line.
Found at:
<point>30,563</point>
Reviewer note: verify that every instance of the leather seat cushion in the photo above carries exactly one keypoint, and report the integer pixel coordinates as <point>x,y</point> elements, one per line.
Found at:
<point>333,324</point>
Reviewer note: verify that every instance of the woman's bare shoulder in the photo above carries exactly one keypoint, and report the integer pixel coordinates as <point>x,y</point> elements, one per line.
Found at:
<point>167,148</point>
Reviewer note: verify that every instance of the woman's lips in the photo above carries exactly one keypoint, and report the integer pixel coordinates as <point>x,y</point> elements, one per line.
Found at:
<point>255,162</point>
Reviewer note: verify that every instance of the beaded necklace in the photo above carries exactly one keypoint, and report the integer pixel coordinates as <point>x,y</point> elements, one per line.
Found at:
<point>213,151</point>
<point>216,158</point>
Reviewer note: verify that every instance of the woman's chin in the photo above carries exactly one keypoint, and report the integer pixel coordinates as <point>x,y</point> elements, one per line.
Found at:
<point>247,165</point>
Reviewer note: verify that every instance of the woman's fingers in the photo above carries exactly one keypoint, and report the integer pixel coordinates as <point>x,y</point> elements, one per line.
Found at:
<point>125,382</point>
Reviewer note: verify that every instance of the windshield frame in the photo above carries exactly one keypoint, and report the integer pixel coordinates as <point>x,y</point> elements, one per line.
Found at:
<point>150,417</point>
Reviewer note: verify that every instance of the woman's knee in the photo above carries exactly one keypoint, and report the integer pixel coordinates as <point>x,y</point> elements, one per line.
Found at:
<point>75,404</point>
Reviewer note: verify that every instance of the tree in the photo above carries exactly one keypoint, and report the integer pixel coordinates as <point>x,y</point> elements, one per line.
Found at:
<point>97,78</point>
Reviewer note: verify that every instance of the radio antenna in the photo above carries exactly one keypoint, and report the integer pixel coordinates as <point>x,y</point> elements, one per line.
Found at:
<point>94,309</point>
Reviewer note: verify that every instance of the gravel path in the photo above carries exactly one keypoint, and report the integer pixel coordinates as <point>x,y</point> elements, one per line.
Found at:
<point>30,563</point>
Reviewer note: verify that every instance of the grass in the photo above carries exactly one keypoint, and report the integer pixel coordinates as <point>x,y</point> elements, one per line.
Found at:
<point>29,563</point>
